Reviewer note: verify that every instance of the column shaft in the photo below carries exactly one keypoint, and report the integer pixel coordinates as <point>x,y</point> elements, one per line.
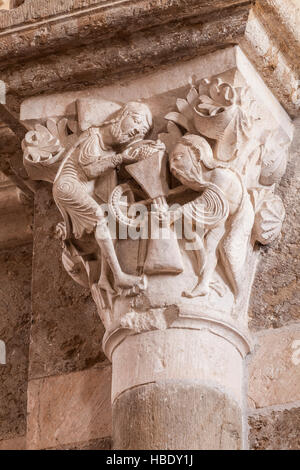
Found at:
<point>177,389</point>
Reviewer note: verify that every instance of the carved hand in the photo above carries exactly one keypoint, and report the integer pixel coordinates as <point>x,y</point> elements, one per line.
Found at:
<point>101,166</point>
<point>142,150</point>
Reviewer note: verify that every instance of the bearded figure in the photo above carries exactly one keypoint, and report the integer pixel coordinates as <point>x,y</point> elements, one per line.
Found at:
<point>88,175</point>
<point>223,210</point>
<point>83,171</point>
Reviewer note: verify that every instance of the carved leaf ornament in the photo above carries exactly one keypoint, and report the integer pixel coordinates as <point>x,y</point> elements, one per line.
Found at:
<point>44,147</point>
<point>226,111</point>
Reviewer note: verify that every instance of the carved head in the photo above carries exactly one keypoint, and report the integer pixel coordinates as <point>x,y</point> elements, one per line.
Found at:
<point>188,157</point>
<point>134,121</point>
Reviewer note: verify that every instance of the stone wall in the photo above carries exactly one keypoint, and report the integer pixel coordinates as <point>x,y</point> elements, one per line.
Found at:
<point>274,366</point>
<point>69,376</point>
<point>15,319</point>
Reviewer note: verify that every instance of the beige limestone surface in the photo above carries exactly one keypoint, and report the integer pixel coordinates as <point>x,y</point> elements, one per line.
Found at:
<point>275,300</point>
<point>19,443</point>
<point>275,429</point>
<point>15,317</point>
<point>38,33</point>
<point>66,331</point>
<point>69,408</point>
<point>176,415</point>
<point>274,369</point>
<point>154,85</point>
<point>214,360</point>
<point>5,4</point>
<point>177,355</point>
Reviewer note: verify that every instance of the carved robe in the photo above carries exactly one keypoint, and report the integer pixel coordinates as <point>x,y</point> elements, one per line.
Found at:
<point>76,192</point>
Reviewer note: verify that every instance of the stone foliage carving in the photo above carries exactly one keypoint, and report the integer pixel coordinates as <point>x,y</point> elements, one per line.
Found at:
<point>44,147</point>
<point>193,202</point>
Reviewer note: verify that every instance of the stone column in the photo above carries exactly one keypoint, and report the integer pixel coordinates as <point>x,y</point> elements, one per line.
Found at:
<point>200,146</point>
<point>179,388</point>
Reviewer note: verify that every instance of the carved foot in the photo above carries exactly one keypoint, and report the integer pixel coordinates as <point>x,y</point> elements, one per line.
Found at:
<point>198,291</point>
<point>218,287</point>
<point>202,289</point>
<point>127,281</point>
<point>128,285</point>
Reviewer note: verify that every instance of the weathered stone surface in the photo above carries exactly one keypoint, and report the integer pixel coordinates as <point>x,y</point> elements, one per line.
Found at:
<point>274,368</point>
<point>9,147</point>
<point>181,355</point>
<point>282,20</point>
<point>275,299</point>
<point>176,415</point>
<point>93,444</point>
<point>275,430</point>
<point>15,313</point>
<point>136,36</point>
<point>73,45</point>
<point>69,409</point>
<point>105,21</point>
<point>98,65</point>
<point>66,332</point>
<point>19,443</point>
<point>216,359</point>
<point>15,227</point>
<point>15,204</point>
<point>5,4</point>
<point>273,48</point>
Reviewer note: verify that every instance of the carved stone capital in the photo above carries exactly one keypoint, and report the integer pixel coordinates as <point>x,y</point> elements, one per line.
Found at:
<point>184,162</point>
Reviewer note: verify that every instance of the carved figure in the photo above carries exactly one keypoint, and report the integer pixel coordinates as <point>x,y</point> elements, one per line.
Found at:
<point>223,199</point>
<point>93,160</point>
<point>85,178</point>
<point>227,164</point>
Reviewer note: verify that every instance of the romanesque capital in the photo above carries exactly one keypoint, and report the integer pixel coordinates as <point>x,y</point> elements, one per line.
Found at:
<point>166,192</point>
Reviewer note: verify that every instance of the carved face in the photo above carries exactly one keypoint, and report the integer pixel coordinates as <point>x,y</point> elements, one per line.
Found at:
<point>181,162</point>
<point>128,127</point>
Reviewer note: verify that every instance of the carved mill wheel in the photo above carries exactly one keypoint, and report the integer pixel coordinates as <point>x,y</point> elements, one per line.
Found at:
<point>121,199</point>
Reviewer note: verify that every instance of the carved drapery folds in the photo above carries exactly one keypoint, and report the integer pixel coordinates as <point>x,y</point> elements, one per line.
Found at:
<point>164,225</point>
